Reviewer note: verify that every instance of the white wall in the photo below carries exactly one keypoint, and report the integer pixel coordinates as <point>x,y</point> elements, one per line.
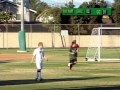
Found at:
<point>10,40</point>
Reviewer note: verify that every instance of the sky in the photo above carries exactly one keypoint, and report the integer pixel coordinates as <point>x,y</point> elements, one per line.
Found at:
<point>76,2</point>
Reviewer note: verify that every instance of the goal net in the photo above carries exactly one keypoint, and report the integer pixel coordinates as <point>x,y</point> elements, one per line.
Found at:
<point>104,44</point>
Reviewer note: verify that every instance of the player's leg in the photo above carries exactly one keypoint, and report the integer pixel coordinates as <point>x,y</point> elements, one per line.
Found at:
<point>39,68</point>
<point>71,64</point>
<point>75,61</point>
<point>39,74</point>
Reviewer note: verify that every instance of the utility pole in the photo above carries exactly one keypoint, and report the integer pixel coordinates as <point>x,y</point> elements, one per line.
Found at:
<point>22,37</point>
<point>72,1</point>
<point>22,15</point>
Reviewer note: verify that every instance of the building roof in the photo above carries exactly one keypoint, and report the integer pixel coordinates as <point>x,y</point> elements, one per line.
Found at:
<point>17,5</point>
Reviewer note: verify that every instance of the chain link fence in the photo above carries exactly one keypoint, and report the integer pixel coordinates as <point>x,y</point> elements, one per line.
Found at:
<point>49,34</point>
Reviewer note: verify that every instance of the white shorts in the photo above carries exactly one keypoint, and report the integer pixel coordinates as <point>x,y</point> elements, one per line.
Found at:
<point>39,64</point>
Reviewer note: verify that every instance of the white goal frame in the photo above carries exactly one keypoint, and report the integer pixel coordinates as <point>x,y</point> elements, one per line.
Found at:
<point>98,51</point>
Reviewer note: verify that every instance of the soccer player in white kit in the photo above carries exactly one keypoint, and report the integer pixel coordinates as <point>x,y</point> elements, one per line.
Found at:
<point>38,56</point>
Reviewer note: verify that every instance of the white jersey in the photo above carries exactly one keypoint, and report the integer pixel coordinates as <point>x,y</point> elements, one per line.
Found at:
<point>39,54</point>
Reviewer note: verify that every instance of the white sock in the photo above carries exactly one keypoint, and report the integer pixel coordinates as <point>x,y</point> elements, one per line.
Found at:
<point>39,75</point>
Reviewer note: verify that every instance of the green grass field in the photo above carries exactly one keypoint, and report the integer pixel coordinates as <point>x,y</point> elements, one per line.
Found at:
<point>20,74</point>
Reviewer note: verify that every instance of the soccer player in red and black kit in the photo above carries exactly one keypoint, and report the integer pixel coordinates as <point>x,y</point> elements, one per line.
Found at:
<point>74,48</point>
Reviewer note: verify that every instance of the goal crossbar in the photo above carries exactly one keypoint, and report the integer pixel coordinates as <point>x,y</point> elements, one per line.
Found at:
<point>118,28</point>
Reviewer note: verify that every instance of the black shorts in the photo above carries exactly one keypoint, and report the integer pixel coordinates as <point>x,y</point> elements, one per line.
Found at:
<point>76,54</point>
<point>73,60</point>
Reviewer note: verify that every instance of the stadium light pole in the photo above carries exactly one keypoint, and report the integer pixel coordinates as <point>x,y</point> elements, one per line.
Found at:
<point>22,38</point>
<point>72,1</point>
<point>22,15</point>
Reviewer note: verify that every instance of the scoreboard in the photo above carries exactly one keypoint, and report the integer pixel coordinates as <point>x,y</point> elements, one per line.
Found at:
<point>87,11</point>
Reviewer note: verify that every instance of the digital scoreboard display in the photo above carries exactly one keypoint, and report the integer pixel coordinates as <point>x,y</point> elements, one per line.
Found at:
<point>87,11</point>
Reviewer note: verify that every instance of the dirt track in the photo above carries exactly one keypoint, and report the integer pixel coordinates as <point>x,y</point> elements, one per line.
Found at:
<point>14,56</point>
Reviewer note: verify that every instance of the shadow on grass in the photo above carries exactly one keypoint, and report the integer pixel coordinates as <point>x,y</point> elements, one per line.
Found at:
<point>114,87</point>
<point>31,81</point>
<point>5,61</point>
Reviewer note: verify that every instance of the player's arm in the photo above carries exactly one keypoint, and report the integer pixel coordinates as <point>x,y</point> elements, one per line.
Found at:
<point>33,58</point>
<point>70,51</point>
<point>45,56</point>
<point>78,48</point>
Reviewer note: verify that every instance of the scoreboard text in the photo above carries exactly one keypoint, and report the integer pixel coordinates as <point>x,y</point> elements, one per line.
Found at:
<point>86,11</point>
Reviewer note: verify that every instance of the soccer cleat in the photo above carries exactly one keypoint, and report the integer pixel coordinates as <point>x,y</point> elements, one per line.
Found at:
<point>39,79</point>
<point>36,79</point>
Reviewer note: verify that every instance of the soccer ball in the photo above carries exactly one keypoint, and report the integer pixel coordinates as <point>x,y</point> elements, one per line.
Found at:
<point>68,64</point>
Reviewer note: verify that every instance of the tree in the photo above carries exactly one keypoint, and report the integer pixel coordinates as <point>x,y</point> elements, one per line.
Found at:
<point>51,15</point>
<point>89,19</point>
<point>1,6</point>
<point>69,5</point>
<point>67,19</point>
<point>38,5</point>
<point>55,12</point>
<point>116,11</point>
<point>41,6</point>
<point>33,4</point>
<point>6,16</point>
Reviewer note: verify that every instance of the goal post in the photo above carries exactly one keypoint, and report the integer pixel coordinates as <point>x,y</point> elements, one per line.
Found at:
<point>104,44</point>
